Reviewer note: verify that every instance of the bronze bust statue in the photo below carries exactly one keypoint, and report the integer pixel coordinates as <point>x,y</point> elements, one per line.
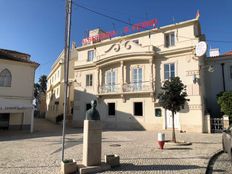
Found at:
<point>92,114</point>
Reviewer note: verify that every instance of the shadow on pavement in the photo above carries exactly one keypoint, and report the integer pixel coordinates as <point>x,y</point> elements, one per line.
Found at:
<point>132,167</point>
<point>25,167</point>
<point>43,128</point>
<point>175,148</point>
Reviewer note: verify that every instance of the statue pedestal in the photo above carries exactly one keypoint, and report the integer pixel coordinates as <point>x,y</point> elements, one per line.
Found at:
<point>92,143</point>
<point>92,148</point>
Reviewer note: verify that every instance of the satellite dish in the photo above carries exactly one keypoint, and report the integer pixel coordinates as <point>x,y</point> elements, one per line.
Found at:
<point>201,48</point>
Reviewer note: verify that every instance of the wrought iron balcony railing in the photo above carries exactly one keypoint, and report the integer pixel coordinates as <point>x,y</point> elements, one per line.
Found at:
<point>137,86</point>
<point>144,86</point>
<point>109,89</point>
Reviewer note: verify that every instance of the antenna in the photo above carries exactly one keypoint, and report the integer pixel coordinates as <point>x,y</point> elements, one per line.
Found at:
<point>113,24</point>
<point>173,19</point>
<point>146,16</point>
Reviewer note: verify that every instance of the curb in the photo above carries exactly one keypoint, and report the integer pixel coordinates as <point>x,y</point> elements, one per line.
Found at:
<point>211,161</point>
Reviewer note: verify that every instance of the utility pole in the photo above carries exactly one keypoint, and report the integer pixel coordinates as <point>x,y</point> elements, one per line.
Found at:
<point>68,10</point>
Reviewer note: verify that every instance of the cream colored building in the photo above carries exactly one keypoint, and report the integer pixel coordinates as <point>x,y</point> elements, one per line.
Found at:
<point>17,74</point>
<point>55,87</point>
<point>124,74</point>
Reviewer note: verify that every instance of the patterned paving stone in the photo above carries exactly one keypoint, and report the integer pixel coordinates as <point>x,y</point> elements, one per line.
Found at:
<point>40,152</point>
<point>221,164</point>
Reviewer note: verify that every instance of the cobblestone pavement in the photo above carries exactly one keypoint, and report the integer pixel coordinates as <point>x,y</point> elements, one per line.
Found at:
<point>40,152</point>
<point>221,164</point>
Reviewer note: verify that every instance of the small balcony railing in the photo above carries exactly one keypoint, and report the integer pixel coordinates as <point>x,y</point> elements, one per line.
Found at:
<point>144,86</point>
<point>109,89</point>
<point>137,87</point>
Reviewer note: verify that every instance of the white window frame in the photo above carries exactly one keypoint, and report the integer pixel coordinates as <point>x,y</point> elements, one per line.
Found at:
<point>111,80</point>
<point>90,55</point>
<point>169,71</point>
<point>170,41</point>
<point>137,82</point>
<point>89,80</point>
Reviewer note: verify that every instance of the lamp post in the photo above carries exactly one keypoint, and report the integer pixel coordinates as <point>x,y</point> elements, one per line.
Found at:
<point>68,10</point>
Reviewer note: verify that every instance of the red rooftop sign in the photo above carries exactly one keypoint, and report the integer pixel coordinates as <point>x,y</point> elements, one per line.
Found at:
<point>133,28</point>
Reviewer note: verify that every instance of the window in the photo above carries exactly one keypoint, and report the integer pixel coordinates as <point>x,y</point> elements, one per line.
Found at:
<point>169,71</point>
<point>5,78</point>
<point>110,80</point>
<point>90,55</point>
<point>89,80</point>
<point>138,108</point>
<point>231,72</point>
<point>169,39</point>
<point>158,112</point>
<point>58,74</point>
<point>57,92</point>
<point>137,79</point>
<point>111,109</point>
<point>88,106</point>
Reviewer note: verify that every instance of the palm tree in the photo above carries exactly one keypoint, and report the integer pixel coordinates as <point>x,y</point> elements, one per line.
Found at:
<point>43,83</point>
<point>36,90</point>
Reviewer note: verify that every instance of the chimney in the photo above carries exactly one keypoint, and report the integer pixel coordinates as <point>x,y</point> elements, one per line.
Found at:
<point>213,52</point>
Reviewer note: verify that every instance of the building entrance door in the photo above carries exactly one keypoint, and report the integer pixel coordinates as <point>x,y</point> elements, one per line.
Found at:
<point>4,120</point>
<point>169,120</point>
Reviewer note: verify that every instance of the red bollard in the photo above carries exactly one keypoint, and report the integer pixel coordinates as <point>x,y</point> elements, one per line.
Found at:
<point>161,140</point>
<point>161,144</point>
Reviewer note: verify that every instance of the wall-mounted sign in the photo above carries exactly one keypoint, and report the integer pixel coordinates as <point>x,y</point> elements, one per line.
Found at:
<point>128,29</point>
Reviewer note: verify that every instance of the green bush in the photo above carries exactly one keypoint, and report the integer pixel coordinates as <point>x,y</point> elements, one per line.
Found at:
<point>225,102</point>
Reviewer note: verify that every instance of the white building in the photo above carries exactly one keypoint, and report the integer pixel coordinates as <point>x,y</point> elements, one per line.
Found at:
<point>125,74</point>
<point>55,88</point>
<point>17,74</point>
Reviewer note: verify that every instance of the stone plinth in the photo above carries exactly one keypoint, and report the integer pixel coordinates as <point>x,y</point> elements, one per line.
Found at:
<point>68,167</point>
<point>226,121</point>
<point>92,169</point>
<point>92,143</point>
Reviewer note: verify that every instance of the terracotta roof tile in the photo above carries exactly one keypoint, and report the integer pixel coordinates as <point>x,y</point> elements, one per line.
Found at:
<point>16,56</point>
<point>229,53</point>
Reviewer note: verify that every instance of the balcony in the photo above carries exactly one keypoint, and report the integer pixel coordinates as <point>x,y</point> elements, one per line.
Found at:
<point>138,87</point>
<point>105,89</point>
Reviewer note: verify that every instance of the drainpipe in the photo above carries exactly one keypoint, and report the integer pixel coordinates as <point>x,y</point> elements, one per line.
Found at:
<point>223,77</point>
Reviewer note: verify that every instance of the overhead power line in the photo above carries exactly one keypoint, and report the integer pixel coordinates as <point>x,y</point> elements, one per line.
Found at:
<point>223,41</point>
<point>128,23</point>
<point>101,14</point>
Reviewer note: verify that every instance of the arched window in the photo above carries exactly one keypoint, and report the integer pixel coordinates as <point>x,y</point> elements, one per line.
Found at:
<point>5,78</point>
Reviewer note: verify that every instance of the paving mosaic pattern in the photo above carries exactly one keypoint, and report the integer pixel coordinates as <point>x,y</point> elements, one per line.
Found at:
<point>40,153</point>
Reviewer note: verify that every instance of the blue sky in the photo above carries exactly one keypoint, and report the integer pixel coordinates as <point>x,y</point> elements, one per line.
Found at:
<point>36,27</point>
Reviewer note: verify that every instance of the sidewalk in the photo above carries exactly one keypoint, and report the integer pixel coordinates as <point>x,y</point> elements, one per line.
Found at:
<point>40,152</point>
